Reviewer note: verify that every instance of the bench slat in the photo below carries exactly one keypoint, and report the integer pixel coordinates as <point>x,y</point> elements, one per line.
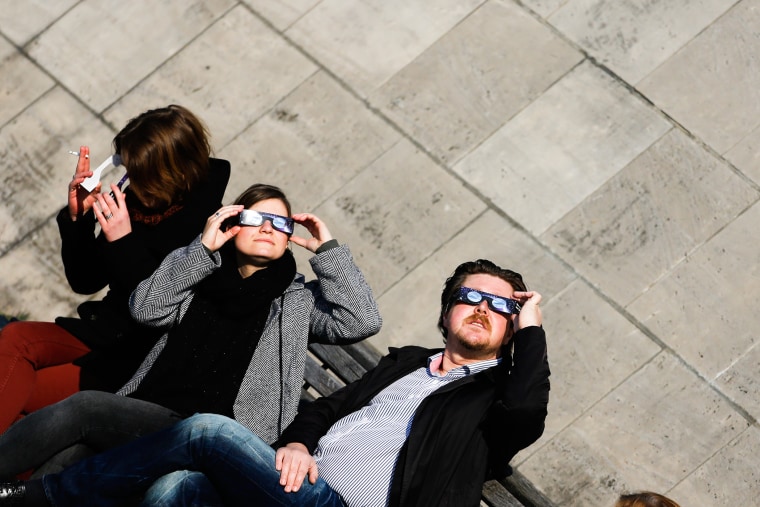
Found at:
<point>341,363</point>
<point>496,495</point>
<point>319,379</point>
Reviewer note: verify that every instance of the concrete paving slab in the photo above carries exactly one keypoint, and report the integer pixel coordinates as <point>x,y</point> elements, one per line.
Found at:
<point>20,81</point>
<point>719,71</point>
<point>741,382</point>
<point>728,478</point>
<point>562,147</point>
<point>397,212</point>
<point>592,350</point>
<point>634,38</point>
<point>545,8</point>
<point>649,433</point>
<point>21,21</point>
<point>649,216</point>
<point>469,83</point>
<point>92,49</point>
<point>410,308</point>
<point>282,13</point>
<point>746,155</point>
<point>35,166</point>
<point>365,43</point>
<point>34,284</point>
<point>231,89</point>
<point>311,144</point>
<point>705,309</point>
<point>302,109</point>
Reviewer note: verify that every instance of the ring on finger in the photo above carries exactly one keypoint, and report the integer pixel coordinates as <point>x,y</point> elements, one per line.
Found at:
<point>217,213</point>
<point>108,216</point>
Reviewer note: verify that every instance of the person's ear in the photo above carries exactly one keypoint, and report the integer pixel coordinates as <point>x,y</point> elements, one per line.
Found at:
<point>509,332</point>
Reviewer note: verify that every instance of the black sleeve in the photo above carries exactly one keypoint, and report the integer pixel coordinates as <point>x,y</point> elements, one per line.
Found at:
<point>83,256</point>
<point>521,410</point>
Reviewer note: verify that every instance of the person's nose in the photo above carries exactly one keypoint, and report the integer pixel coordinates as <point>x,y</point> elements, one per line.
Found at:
<point>482,307</point>
<point>267,227</point>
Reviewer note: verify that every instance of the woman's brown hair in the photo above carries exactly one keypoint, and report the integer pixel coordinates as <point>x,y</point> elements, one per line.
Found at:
<point>166,152</point>
<point>261,192</point>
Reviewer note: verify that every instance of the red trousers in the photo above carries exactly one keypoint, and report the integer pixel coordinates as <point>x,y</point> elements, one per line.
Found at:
<point>36,368</point>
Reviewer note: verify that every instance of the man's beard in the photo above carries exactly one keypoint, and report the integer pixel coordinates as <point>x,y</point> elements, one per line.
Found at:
<point>479,345</point>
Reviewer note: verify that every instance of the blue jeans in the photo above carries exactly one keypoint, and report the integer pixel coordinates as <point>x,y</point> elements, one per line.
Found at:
<point>191,489</point>
<point>238,464</point>
<point>83,424</point>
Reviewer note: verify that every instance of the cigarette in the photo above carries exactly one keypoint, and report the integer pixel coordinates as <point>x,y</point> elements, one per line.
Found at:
<point>76,153</point>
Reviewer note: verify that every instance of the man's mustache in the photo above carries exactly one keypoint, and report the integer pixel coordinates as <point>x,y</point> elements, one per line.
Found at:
<point>479,318</point>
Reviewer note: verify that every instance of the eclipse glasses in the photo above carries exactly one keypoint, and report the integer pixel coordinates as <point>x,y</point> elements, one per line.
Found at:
<point>498,304</point>
<point>256,218</point>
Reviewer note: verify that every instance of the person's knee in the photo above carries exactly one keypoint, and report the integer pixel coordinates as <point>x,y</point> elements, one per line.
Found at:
<point>88,404</point>
<point>12,338</point>
<point>182,488</point>
<point>219,429</point>
<point>206,422</point>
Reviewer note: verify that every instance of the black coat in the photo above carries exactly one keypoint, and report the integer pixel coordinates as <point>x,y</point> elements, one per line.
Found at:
<point>91,264</point>
<point>462,434</point>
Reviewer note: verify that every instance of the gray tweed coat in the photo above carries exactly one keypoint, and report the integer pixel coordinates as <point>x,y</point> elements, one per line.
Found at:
<point>337,308</point>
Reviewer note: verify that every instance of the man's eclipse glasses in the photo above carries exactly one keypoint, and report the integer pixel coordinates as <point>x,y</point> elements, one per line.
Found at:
<point>498,304</point>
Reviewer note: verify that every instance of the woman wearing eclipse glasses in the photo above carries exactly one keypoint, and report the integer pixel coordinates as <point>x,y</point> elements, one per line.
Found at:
<point>237,318</point>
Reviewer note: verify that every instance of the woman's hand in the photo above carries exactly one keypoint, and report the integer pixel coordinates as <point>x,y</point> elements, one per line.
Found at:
<point>80,200</point>
<point>213,236</point>
<point>112,214</point>
<point>316,227</point>
<point>530,314</point>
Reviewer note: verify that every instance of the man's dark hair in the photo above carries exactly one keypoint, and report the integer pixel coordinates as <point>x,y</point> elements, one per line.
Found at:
<point>478,267</point>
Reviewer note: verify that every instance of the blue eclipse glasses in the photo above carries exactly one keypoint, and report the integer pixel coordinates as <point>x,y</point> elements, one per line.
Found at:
<point>256,218</point>
<point>498,304</point>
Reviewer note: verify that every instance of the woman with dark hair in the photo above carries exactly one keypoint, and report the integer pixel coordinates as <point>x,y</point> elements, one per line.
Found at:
<point>174,185</point>
<point>237,319</point>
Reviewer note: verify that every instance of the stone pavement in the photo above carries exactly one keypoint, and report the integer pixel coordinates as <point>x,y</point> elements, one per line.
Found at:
<point>608,150</point>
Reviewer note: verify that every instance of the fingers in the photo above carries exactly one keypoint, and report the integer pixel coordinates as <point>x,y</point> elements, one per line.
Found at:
<point>530,314</point>
<point>213,237</point>
<point>83,164</point>
<point>223,214</point>
<point>316,227</point>
<point>295,464</point>
<point>313,472</point>
<point>117,194</point>
<point>525,296</point>
<point>107,204</point>
<point>82,171</point>
<point>298,240</point>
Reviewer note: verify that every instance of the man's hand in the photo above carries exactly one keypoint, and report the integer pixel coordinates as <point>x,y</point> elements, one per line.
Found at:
<point>294,463</point>
<point>530,314</point>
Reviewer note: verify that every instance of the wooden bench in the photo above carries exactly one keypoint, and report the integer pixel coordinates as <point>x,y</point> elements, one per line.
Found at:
<point>330,367</point>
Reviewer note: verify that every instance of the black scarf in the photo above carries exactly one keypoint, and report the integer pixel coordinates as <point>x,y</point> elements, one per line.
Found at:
<point>208,353</point>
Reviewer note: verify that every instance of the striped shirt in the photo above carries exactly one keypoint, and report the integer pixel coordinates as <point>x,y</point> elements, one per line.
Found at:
<point>358,453</point>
